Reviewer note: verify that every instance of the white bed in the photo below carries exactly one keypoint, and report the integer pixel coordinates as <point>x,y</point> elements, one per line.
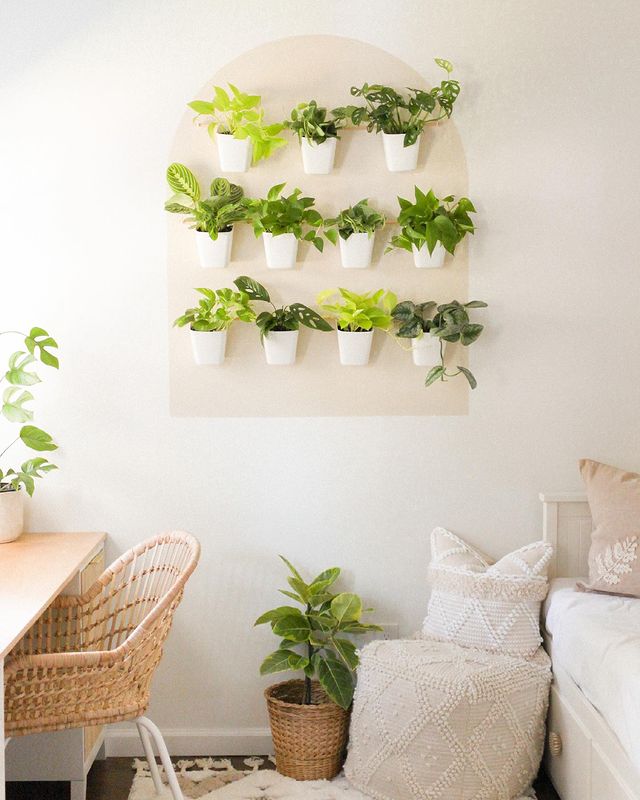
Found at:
<point>593,748</point>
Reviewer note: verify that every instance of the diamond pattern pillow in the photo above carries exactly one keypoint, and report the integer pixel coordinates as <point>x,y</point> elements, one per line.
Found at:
<point>493,607</point>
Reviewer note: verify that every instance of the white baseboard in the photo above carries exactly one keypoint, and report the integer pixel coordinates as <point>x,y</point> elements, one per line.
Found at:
<point>194,742</point>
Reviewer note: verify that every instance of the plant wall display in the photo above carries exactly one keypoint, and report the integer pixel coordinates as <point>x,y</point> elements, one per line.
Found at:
<point>317,638</point>
<point>239,116</point>
<point>38,346</point>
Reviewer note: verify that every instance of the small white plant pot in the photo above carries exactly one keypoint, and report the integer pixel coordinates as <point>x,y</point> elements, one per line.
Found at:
<point>280,347</point>
<point>317,159</point>
<point>234,154</point>
<point>357,250</point>
<point>11,516</point>
<point>354,347</point>
<point>398,157</point>
<point>208,346</point>
<point>426,350</point>
<point>280,251</point>
<point>214,254</point>
<point>425,260</point>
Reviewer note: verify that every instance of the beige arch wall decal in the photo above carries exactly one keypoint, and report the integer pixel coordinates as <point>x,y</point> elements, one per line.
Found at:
<point>286,72</point>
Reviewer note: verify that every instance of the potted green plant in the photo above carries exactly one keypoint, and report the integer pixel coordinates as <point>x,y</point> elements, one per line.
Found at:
<point>317,133</point>
<point>38,346</point>
<point>210,320</point>
<point>451,323</point>
<point>212,218</point>
<point>401,117</point>
<point>282,221</point>
<point>237,126</point>
<point>310,717</point>
<point>414,321</point>
<point>357,315</point>
<point>355,228</point>
<point>430,227</point>
<point>279,327</point>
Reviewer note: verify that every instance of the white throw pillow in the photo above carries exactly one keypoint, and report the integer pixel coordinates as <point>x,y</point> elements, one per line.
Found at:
<point>493,607</point>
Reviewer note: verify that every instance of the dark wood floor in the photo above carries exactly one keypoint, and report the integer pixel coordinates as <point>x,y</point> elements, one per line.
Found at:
<point>111,780</point>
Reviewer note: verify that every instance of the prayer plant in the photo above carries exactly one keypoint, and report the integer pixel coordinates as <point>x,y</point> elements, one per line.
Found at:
<point>217,213</point>
<point>320,630</point>
<point>38,346</point>
<point>284,318</point>
<point>240,115</point>
<point>389,111</point>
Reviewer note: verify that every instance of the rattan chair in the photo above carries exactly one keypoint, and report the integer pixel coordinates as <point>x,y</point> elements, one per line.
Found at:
<point>89,659</point>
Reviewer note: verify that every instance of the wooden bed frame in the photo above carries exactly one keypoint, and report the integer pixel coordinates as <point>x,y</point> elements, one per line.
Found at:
<point>583,757</point>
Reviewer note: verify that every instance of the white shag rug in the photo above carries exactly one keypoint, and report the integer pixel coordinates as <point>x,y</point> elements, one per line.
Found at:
<point>217,779</point>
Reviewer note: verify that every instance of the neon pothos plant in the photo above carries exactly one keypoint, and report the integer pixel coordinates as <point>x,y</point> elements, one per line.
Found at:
<point>284,318</point>
<point>216,310</point>
<point>313,123</point>
<point>430,220</point>
<point>450,323</point>
<point>278,214</point>
<point>240,115</point>
<point>387,110</point>
<point>319,629</point>
<point>358,312</point>
<point>38,346</point>
<point>359,218</point>
<point>212,215</point>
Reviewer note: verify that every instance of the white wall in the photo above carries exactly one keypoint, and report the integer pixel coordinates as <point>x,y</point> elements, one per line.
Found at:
<point>90,95</point>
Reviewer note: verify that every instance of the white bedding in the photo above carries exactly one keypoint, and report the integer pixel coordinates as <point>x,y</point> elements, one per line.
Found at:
<point>596,639</point>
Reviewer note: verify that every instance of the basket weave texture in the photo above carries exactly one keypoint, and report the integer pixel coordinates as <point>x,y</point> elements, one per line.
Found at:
<point>89,659</point>
<point>309,740</point>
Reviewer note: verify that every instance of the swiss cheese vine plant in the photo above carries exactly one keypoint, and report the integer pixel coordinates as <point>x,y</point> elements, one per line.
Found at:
<point>389,111</point>
<point>240,115</point>
<point>293,213</point>
<point>214,214</point>
<point>38,346</point>
<point>320,630</point>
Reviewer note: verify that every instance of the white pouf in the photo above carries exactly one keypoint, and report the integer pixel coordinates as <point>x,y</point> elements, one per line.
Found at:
<point>435,720</point>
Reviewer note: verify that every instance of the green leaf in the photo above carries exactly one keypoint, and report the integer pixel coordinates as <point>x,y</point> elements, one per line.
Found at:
<point>276,614</point>
<point>13,406</point>
<point>309,318</point>
<point>347,652</point>
<point>469,376</point>
<point>470,333</point>
<point>435,373</point>
<point>276,662</point>
<point>297,661</point>
<point>201,106</point>
<point>336,679</point>
<point>300,587</point>
<point>325,578</point>
<point>446,65</point>
<point>294,627</point>
<point>252,288</point>
<point>292,569</point>
<point>475,304</point>
<point>274,191</point>
<point>39,339</point>
<point>346,607</point>
<point>17,374</point>
<point>37,439</point>
<point>183,181</point>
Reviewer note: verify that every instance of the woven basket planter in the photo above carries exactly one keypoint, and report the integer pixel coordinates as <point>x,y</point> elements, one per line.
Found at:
<point>309,740</point>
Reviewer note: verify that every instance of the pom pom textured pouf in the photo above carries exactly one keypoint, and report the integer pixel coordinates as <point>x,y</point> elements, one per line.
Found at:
<point>436,720</point>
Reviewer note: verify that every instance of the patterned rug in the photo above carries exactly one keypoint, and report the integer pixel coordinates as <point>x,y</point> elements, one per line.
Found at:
<point>218,779</point>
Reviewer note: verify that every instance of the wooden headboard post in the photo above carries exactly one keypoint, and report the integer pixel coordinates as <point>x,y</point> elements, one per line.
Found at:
<point>566,525</point>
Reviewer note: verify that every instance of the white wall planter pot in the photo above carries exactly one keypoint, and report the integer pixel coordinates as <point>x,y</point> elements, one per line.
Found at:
<point>357,250</point>
<point>234,154</point>
<point>11,516</point>
<point>280,251</point>
<point>208,346</point>
<point>424,260</point>
<point>317,159</point>
<point>214,254</point>
<point>398,157</point>
<point>354,347</point>
<point>280,347</point>
<point>426,350</point>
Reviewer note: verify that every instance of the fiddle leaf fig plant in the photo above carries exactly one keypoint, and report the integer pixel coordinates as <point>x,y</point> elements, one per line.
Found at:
<point>313,123</point>
<point>317,638</point>
<point>358,312</point>
<point>389,111</point>
<point>278,214</point>
<point>213,215</point>
<point>39,346</point>
<point>240,115</point>
<point>359,218</point>
<point>283,318</point>
<point>217,310</point>
<point>430,220</point>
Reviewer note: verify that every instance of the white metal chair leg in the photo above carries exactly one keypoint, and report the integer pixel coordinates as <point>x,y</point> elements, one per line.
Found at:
<point>146,727</point>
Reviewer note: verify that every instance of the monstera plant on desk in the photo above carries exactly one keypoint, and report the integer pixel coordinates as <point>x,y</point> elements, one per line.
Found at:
<point>14,481</point>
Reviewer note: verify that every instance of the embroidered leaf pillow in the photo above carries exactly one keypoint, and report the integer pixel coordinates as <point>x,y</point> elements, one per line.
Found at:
<point>614,556</point>
<point>492,607</point>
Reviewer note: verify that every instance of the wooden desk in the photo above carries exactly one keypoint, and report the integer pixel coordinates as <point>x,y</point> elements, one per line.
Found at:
<point>33,571</point>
